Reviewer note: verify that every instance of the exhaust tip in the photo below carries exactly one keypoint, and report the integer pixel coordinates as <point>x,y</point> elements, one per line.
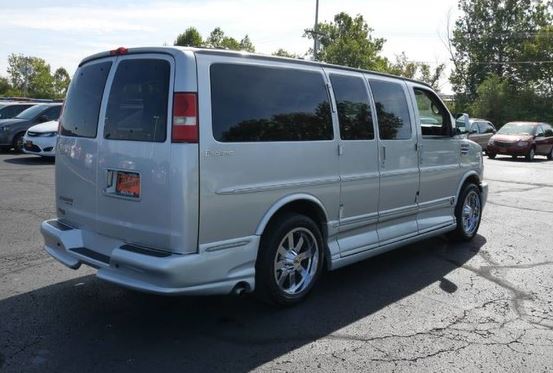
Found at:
<point>240,289</point>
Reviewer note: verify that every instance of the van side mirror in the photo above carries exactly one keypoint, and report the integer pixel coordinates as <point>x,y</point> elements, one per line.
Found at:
<point>461,123</point>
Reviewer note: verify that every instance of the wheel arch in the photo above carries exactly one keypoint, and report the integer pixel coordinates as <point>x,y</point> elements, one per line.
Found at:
<point>303,203</point>
<point>469,177</point>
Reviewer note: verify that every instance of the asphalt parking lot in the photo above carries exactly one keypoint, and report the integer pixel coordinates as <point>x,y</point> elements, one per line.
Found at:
<point>433,306</point>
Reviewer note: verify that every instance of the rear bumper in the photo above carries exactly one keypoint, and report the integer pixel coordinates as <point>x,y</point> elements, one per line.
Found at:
<point>215,270</point>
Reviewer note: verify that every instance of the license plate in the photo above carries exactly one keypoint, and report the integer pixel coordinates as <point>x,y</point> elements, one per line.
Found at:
<point>127,184</point>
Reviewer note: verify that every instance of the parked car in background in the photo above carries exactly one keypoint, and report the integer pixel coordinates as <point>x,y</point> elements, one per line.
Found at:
<point>11,109</point>
<point>526,139</point>
<point>12,130</point>
<point>41,139</point>
<point>193,171</point>
<point>479,130</point>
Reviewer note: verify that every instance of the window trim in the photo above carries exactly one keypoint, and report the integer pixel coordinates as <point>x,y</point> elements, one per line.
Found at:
<point>101,109</point>
<point>412,117</point>
<point>109,83</point>
<point>280,66</point>
<point>447,118</point>
<point>369,98</point>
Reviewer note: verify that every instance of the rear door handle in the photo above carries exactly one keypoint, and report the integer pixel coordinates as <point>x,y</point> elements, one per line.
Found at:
<point>383,159</point>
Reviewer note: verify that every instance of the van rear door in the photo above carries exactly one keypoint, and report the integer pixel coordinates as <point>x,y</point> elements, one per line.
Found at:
<point>136,185</point>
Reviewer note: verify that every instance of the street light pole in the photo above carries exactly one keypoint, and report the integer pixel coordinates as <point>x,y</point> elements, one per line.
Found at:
<point>316,30</point>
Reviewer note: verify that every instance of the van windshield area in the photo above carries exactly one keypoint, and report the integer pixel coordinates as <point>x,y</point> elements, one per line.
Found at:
<point>137,104</point>
<point>517,129</point>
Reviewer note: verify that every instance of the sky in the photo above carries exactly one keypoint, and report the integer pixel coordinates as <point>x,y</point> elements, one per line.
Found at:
<point>63,32</point>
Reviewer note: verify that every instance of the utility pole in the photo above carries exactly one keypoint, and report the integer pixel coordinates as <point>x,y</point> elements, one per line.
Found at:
<point>316,32</point>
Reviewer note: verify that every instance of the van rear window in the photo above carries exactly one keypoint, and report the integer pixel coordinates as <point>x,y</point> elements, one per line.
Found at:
<point>256,103</point>
<point>137,104</point>
<point>82,105</point>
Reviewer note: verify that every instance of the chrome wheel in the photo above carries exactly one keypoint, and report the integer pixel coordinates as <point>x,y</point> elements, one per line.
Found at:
<point>471,212</point>
<point>296,261</point>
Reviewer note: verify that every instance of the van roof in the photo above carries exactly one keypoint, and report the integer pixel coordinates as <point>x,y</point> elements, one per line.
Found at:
<point>245,55</point>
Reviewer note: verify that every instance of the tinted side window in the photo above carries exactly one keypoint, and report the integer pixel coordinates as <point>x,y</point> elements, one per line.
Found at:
<point>354,112</point>
<point>13,110</point>
<point>82,105</point>
<point>548,131</point>
<point>434,117</point>
<point>53,113</point>
<point>255,103</point>
<point>137,104</point>
<point>392,111</point>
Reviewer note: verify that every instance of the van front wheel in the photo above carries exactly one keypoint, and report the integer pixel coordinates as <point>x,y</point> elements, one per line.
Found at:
<point>468,213</point>
<point>290,260</point>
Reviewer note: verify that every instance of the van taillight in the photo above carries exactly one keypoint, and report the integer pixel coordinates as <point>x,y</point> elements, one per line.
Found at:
<point>185,118</point>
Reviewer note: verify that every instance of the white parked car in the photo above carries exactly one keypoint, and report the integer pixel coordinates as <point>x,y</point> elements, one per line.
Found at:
<point>41,139</point>
<point>193,171</point>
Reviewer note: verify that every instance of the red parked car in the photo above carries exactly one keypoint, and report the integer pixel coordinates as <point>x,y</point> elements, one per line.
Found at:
<point>526,139</point>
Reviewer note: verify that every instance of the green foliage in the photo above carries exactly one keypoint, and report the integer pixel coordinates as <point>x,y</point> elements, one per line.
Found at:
<point>4,86</point>
<point>349,42</point>
<point>218,39</point>
<point>491,38</point>
<point>499,101</point>
<point>494,100</point>
<point>247,45</point>
<point>31,77</point>
<point>190,38</point>
<point>416,70</point>
<point>61,80</point>
<point>501,54</point>
<point>284,53</point>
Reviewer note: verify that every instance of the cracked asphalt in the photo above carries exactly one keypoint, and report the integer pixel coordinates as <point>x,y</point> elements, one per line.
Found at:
<point>433,306</point>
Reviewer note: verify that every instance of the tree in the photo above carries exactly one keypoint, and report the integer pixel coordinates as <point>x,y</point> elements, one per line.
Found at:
<point>538,52</point>
<point>417,70</point>
<point>348,41</point>
<point>4,86</point>
<point>218,39</point>
<point>61,82</point>
<point>284,53</point>
<point>30,76</point>
<point>246,44</point>
<point>490,39</point>
<point>190,38</point>
<point>494,100</point>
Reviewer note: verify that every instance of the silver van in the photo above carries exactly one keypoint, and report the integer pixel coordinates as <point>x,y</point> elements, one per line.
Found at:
<point>192,171</point>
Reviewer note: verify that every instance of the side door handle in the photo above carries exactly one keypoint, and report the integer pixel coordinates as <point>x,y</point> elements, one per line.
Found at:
<point>383,156</point>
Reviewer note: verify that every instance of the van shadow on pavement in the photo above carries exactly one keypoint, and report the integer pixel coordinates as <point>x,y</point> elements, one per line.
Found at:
<point>31,160</point>
<point>88,325</point>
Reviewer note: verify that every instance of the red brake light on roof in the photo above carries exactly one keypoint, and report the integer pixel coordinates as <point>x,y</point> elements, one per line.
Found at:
<point>119,51</point>
<point>185,118</point>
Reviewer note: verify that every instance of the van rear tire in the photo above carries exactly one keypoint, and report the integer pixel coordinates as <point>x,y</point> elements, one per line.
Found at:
<point>468,213</point>
<point>290,260</point>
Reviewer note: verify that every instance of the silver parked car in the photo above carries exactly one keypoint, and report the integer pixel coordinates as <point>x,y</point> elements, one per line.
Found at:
<point>480,131</point>
<point>191,171</point>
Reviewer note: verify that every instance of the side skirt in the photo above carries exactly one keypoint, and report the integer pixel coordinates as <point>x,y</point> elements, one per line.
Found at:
<point>350,259</point>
